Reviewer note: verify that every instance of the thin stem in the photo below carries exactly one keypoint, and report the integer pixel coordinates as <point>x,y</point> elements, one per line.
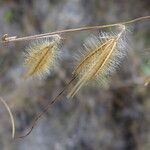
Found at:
<point>136,81</point>
<point>6,39</point>
<point>135,20</point>
<point>11,116</point>
<point>46,108</point>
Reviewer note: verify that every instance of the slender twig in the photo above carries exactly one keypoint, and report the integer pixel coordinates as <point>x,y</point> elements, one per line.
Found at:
<point>46,108</point>
<point>138,80</point>
<point>6,38</point>
<point>11,116</point>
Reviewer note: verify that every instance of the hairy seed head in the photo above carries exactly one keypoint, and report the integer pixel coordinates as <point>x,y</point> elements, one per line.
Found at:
<point>103,56</point>
<point>41,56</point>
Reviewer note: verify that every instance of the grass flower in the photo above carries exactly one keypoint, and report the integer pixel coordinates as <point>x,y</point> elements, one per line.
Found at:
<point>103,55</point>
<point>41,57</point>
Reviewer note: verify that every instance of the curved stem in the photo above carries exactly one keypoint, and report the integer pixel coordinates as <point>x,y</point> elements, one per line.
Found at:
<point>11,116</point>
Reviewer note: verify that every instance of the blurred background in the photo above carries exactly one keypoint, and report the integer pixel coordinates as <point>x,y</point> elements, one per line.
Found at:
<point>116,118</point>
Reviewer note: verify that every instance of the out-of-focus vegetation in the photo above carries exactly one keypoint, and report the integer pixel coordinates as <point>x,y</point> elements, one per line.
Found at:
<point>116,118</point>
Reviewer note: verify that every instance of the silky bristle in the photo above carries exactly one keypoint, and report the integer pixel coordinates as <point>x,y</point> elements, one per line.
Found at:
<point>41,57</point>
<point>103,55</point>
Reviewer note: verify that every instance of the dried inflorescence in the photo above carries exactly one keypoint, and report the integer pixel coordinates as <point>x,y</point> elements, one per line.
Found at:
<point>103,56</point>
<point>41,57</point>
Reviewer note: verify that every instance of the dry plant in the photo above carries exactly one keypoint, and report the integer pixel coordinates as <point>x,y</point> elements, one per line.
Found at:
<point>101,59</point>
<point>41,56</point>
<point>104,54</point>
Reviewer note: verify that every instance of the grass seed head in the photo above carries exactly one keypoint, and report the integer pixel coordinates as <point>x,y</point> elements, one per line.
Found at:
<point>42,56</point>
<point>103,55</point>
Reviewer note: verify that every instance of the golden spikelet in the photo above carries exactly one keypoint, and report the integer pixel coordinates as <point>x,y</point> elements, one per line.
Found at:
<point>101,60</point>
<point>41,56</point>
